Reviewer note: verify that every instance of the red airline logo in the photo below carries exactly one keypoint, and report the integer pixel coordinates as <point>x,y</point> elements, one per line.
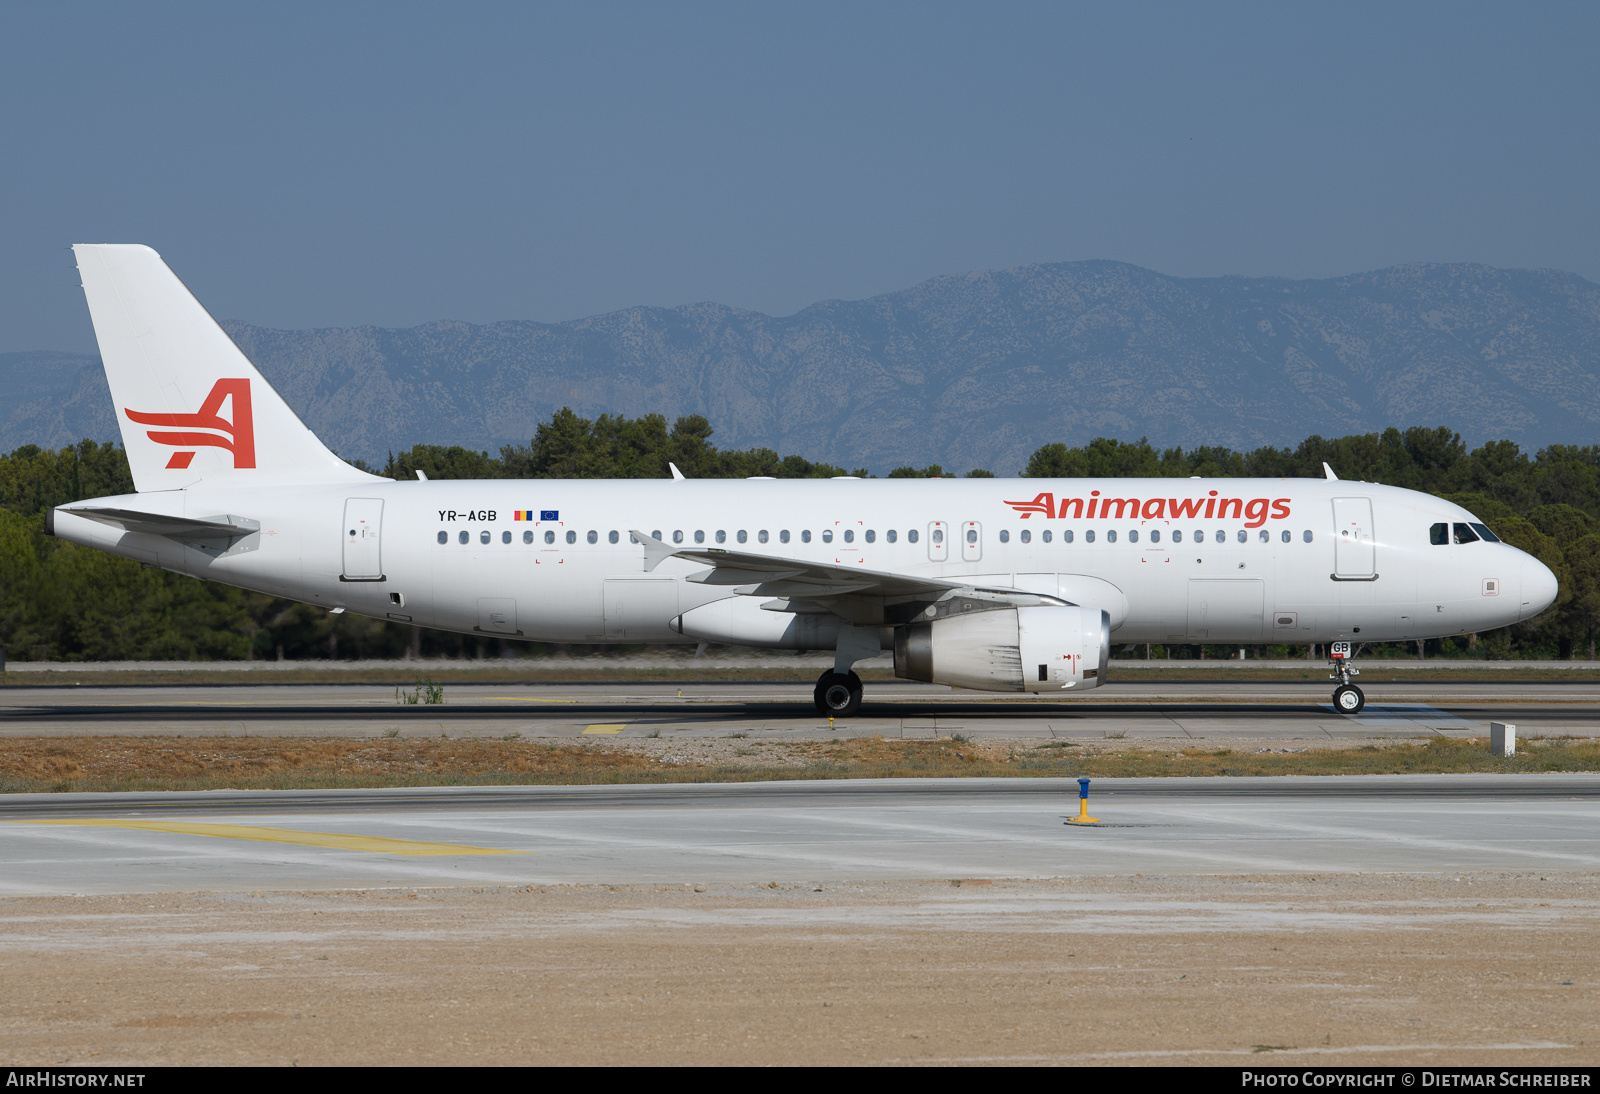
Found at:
<point>241,432</point>
<point>1253,511</point>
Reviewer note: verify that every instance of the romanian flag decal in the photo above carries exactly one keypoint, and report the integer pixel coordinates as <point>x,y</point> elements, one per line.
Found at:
<point>523,514</point>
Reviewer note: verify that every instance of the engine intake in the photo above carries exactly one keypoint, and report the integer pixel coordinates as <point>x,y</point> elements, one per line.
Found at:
<point>1008,649</point>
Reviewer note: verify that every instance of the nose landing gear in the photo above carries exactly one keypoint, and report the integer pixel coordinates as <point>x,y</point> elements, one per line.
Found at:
<point>838,694</point>
<point>1347,698</point>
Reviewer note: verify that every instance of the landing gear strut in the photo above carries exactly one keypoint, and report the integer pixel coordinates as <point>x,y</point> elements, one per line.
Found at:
<point>1347,698</point>
<point>838,695</point>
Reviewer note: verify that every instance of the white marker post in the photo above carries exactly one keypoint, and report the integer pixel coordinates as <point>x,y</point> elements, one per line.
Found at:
<point>1502,739</point>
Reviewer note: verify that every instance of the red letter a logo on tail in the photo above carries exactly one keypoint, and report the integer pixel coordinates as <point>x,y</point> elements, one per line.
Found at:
<point>240,433</point>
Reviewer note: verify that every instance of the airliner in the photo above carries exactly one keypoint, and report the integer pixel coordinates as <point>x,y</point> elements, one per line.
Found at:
<point>1004,585</point>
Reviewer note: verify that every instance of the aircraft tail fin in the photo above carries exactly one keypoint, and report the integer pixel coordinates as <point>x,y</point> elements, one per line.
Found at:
<point>190,404</point>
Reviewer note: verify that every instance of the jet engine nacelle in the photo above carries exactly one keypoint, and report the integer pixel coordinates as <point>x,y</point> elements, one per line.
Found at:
<point>1008,649</point>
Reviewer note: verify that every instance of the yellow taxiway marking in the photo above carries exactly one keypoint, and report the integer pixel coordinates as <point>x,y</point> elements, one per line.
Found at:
<point>606,727</point>
<point>335,840</point>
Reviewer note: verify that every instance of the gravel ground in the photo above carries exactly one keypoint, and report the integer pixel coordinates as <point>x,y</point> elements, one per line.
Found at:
<point>1270,971</point>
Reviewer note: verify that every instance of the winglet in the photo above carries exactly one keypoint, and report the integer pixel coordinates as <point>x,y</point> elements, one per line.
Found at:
<point>655,552</point>
<point>420,476</point>
<point>1328,471</point>
<point>676,474</point>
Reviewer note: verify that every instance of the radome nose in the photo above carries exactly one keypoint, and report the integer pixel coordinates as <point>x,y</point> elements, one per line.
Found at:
<point>1538,587</point>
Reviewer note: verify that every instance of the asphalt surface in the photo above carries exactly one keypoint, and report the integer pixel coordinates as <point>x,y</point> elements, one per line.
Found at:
<point>784,711</point>
<point>794,832</point>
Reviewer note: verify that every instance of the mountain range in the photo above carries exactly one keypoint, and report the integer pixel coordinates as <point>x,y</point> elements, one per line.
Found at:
<point>967,370</point>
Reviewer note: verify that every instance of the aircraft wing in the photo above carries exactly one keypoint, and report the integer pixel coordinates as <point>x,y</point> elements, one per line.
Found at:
<point>854,593</point>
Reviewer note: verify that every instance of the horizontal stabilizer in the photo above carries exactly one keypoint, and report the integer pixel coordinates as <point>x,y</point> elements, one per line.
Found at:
<point>183,529</point>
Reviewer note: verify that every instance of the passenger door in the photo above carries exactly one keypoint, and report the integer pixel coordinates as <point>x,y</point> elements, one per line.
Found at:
<point>1354,545</point>
<point>363,525</point>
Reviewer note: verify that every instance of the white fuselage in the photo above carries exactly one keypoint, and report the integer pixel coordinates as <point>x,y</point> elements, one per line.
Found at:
<point>1176,560</point>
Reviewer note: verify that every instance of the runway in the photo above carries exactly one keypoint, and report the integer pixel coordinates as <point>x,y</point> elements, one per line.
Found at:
<point>794,833</point>
<point>1290,710</point>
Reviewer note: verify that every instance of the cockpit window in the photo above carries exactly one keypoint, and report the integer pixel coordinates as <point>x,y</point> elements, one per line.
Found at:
<point>1465,534</point>
<point>1439,534</point>
<point>1483,530</point>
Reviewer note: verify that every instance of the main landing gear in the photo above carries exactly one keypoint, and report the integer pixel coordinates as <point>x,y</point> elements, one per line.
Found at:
<point>1347,698</point>
<point>838,694</point>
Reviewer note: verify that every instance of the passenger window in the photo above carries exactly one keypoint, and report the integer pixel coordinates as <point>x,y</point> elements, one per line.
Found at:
<point>1026,535</point>
<point>505,537</point>
<point>1111,535</point>
<point>444,537</point>
<point>611,536</point>
<point>805,535</point>
<point>1439,534</point>
<point>655,533</point>
<point>1243,535</point>
<point>550,535</point>
<point>911,536</point>
<point>593,536</point>
<point>527,537</point>
<point>872,537</point>
<point>1465,534</point>
<point>722,537</point>
<point>1088,536</point>
<point>1005,536</point>
<point>783,536</point>
<point>699,536</point>
<point>1155,535</point>
<point>1287,537</point>
<point>1221,537</point>
<point>1306,535</point>
<point>743,536</point>
<point>849,535</point>
<point>972,535</point>
<point>1483,530</point>
<point>1066,536</point>
<point>761,536</point>
<point>1177,535</point>
<point>677,535</point>
<point>572,537</point>
<point>1045,535</point>
<point>827,535</point>
<point>464,535</point>
<point>1133,536</point>
<point>483,537</point>
<point>938,535</point>
<point>1264,536</point>
<point>891,535</point>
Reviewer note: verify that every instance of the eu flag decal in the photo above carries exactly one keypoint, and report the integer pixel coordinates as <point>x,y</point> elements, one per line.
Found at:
<point>549,514</point>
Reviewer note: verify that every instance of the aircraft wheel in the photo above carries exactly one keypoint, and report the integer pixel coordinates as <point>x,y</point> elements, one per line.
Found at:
<point>838,695</point>
<point>1347,699</point>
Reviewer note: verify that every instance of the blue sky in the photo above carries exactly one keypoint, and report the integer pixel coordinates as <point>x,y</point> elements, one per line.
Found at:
<point>316,165</point>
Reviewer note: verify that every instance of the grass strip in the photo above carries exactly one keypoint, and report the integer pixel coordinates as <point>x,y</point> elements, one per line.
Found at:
<point>44,764</point>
